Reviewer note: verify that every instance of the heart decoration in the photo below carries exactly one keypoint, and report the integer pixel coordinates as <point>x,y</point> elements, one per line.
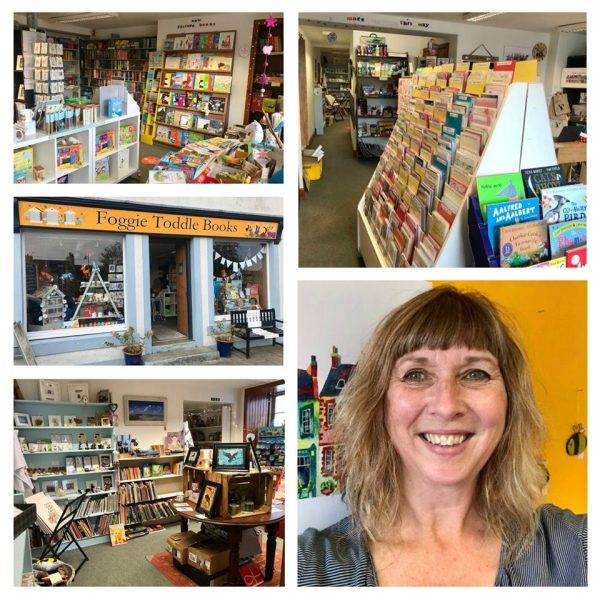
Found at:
<point>113,408</point>
<point>267,49</point>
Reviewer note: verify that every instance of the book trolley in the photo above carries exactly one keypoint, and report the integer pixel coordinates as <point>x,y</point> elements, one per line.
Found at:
<point>519,139</point>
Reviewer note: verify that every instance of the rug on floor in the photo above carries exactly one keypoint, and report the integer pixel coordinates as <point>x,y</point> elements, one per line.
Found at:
<point>163,562</point>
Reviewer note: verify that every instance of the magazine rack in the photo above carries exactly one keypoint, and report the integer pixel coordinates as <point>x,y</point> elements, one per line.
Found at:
<point>61,537</point>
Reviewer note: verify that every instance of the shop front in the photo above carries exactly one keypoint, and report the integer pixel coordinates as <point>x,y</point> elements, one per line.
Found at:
<point>87,268</point>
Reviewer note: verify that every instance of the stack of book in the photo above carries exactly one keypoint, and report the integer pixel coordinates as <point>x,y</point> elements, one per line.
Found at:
<point>138,513</point>
<point>130,493</point>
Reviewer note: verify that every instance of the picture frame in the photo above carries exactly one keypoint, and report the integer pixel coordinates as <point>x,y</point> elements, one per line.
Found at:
<point>49,390</point>
<point>69,486</point>
<point>79,464</point>
<point>22,420</point>
<point>104,396</point>
<point>69,421</point>
<point>49,487</point>
<point>54,421</point>
<point>231,457</point>
<point>92,485</point>
<point>517,53</point>
<point>70,465</point>
<point>208,501</point>
<point>107,483</point>
<point>106,462</point>
<point>145,410</point>
<point>78,392</point>
<point>191,459</point>
<point>37,420</point>
<point>105,422</point>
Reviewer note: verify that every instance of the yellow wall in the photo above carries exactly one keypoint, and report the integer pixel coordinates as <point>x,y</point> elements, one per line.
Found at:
<point>552,318</point>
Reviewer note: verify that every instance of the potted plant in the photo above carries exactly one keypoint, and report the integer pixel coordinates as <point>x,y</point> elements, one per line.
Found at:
<point>133,344</point>
<point>223,335</point>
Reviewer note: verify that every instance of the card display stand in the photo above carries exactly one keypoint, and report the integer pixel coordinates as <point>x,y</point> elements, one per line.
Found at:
<point>148,127</point>
<point>520,139</point>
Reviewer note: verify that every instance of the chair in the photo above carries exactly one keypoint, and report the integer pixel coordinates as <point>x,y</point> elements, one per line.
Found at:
<point>334,107</point>
<point>255,325</point>
<point>62,535</point>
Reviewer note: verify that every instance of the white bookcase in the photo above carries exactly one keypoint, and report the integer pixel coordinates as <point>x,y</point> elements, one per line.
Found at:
<point>521,139</point>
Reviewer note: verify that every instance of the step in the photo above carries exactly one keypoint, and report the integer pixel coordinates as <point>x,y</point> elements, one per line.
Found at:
<point>181,355</point>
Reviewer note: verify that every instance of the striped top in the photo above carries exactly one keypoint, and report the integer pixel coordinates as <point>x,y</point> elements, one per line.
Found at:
<point>339,555</point>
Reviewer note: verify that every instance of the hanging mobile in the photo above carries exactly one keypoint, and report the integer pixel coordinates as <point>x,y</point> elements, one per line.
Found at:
<point>577,443</point>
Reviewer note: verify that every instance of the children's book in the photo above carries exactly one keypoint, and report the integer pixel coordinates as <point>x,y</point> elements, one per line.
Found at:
<point>103,169</point>
<point>565,203</point>
<point>117,534</point>
<point>508,213</point>
<point>523,244</point>
<point>576,257</point>
<point>493,189</point>
<point>542,178</point>
<point>566,235</point>
<point>222,83</point>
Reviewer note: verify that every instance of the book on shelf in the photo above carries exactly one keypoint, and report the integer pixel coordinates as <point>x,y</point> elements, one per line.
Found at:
<point>523,244</point>
<point>564,203</point>
<point>508,213</point>
<point>566,235</point>
<point>492,189</point>
<point>542,178</point>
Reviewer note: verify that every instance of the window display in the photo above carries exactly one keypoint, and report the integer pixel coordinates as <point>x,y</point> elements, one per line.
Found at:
<point>73,281</point>
<point>239,274</point>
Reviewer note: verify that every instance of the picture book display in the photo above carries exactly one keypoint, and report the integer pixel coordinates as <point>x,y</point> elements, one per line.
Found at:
<point>565,203</point>
<point>523,244</point>
<point>492,189</point>
<point>564,236</point>
<point>542,178</point>
<point>508,213</point>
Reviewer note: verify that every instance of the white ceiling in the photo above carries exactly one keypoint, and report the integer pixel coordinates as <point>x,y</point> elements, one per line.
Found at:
<point>541,22</point>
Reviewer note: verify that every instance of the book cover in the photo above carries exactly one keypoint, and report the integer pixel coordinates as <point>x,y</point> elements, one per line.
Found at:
<point>523,244</point>
<point>542,178</point>
<point>565,203</point>
<point>123,162</point>
<point>508,213</point>
<point>117,534</point>
<point>576,258</point>
<point>102,168</point>
<point>567,235</point>
<point>493,189</point>
<point>222,83</point>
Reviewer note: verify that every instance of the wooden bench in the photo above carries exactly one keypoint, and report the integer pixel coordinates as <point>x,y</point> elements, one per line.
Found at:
<point>252,325</point>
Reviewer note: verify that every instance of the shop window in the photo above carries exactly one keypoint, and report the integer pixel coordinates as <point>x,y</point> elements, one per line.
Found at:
<point>73,280</point>
<point>240,276</point>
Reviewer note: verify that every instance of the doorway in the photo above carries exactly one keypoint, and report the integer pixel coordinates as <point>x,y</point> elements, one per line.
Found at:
<point>170,308</point>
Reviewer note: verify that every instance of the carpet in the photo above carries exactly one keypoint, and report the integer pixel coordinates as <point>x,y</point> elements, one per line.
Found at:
<point>163,563</point>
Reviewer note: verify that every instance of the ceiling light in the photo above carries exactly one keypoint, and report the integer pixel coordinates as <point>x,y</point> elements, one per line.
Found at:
<point>80,17</point>
<point>474,17</point>
<point>573,27</point>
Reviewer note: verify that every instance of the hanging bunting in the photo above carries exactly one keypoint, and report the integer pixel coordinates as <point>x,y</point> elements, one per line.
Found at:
<point>229,262</point>
<point>217,255</point>
<point>254,259</point>
<point>235,267</point>
<point>248,263</point>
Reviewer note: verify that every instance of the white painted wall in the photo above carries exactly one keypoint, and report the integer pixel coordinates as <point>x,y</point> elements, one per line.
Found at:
<point>324,324</point>
<point>562,45</point>
<point>242,24</point>
<point>176,391</point>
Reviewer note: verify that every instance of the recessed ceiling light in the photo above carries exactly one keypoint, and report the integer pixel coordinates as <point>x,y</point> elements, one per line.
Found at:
<point>474,17</point>
<point>80,17</point>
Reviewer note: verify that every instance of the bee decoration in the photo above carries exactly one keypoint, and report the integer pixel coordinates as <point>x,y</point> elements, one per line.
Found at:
<point>577,443</point>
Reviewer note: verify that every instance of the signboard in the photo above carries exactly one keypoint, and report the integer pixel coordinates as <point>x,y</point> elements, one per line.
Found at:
<point>35,213</point>
<point>24,345</point>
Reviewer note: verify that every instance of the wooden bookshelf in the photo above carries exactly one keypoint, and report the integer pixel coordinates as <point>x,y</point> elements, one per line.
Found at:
<point>105,62</point>
<point>186,89</point>
<point>256,65</point>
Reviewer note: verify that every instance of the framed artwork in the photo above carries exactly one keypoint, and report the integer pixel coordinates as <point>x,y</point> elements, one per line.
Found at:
<point>78,392</point>
<point>193,454</point>
<point>22,420</point>
<point>573,78</point>
<point>231,457</point>
<point>70,465</point>
<point>37,421</point>
<point>105,422</point>
<point>208,501</point>
<point>69,486</point>
<point>106,462</point>
<point>516,53</point>
<point>107,483</point>
<point>91,485</point>
<point>145,410</point>
<point>50,487</point>
<point>49,390</point>
<point>54,421</point>
<point>69,421</point>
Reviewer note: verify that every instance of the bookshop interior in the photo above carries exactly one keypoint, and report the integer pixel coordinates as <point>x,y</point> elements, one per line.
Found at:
<point>148,98</point>
<point>152,482</point>
<point>442,139</point>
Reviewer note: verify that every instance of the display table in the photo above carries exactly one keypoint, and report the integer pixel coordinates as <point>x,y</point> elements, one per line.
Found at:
<point>234,528</point>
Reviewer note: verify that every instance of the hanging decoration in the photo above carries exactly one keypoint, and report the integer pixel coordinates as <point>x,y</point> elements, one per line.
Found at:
<point>577,443</point>
<point>239,265</point>
<point>264,78</point>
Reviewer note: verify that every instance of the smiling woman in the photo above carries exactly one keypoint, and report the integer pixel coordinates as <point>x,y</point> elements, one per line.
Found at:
<point>440,460</point>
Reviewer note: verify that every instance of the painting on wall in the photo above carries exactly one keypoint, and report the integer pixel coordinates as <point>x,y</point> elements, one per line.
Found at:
<point>145,410</point>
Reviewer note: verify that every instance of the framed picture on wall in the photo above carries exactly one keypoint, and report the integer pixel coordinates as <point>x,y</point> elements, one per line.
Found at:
<point>49,390</point>
<point>145,410</point>
<point>78,392</point>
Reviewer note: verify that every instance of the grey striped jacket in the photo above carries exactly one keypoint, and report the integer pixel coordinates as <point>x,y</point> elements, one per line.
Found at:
<point>339,555</point>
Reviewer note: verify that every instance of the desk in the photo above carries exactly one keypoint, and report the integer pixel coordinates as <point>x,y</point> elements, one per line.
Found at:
<point>570,152</point>
<point>234,528</point>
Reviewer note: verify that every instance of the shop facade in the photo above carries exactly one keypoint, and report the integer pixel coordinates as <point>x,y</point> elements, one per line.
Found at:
<point>87,268</point>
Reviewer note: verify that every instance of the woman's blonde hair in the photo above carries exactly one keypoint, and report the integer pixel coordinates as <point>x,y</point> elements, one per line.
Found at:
<point>509,485</point>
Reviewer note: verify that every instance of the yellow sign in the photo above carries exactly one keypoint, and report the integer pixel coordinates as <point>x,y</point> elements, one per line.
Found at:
<point>72,217</point>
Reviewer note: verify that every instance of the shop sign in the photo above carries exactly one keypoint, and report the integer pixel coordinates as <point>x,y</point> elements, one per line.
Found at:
<point>71,217</point>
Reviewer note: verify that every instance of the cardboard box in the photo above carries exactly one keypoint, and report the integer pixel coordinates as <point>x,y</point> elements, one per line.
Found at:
<point>209,556</point>
<point>179,543</point>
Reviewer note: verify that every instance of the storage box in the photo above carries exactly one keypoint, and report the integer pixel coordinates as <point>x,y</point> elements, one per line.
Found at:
<point>179,543</point>
<point>209,556</point>
<point>313,168</point>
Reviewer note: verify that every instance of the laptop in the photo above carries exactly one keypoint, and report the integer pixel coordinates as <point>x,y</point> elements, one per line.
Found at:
<point>570,133</point>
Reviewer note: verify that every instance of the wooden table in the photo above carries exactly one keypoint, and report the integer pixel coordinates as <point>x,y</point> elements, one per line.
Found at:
<point>234,528</point>
<point>570,152</point>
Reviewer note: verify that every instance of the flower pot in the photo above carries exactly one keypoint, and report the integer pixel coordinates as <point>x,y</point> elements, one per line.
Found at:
<point>132,358</point>
<point>224,348</point>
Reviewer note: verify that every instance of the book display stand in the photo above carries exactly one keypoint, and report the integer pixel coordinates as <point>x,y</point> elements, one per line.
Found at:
<point>519,139</point>
<point>153,79</point>
<point>194,88</point>
<point>95,309</point>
